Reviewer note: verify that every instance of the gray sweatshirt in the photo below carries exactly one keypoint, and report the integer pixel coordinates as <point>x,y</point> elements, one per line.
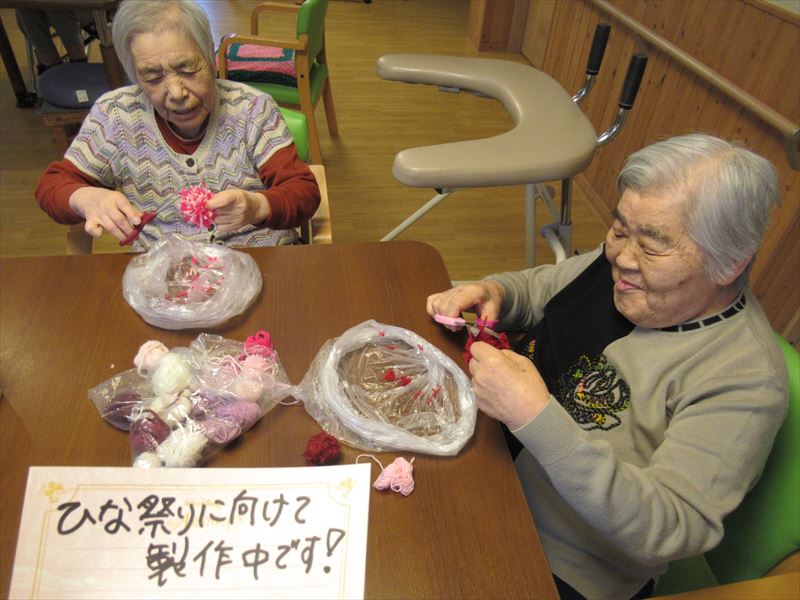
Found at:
<point>650,436</point>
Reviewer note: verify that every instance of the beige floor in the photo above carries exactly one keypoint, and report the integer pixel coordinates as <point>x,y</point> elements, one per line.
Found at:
<point>476,231</point>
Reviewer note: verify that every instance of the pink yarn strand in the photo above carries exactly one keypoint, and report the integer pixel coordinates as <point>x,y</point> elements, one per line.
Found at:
<point>398,476</point>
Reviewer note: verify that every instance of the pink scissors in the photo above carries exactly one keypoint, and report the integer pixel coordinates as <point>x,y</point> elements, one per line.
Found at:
<point>473,328</point>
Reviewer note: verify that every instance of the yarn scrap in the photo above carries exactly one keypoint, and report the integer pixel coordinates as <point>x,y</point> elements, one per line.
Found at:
<point>322,449</point>
<point>397,476</point>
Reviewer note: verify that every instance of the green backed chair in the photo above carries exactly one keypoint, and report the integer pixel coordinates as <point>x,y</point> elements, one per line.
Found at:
<point>316,230</point>
<point>765,528</point>
<point>293,71</point>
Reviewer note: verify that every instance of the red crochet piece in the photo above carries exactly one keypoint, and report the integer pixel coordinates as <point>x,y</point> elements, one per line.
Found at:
<point>482,336</point>
<point>322,449</point>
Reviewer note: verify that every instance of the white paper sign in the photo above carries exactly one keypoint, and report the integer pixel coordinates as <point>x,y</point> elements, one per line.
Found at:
<point>193,533</point>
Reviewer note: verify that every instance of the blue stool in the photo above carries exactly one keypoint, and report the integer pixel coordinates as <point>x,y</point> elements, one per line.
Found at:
<point>67,92</point>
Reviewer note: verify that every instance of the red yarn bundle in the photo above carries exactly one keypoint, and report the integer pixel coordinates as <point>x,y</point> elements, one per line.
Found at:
<point>483,336</point>
<point>322,449</point>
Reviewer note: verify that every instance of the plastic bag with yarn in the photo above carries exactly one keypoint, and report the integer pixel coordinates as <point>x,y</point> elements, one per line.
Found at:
<point>181,406</point>
<point>183,284</point>
<point>380,387</point>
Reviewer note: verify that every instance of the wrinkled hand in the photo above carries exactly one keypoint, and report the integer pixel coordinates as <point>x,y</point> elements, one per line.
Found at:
<point>238,208</point>
<point>486,297</point>
<point>507,385</point>
<point>105,210</point>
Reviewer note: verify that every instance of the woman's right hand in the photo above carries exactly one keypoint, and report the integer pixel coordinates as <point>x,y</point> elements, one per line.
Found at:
<point>105,209</point>
<point>485,297</point>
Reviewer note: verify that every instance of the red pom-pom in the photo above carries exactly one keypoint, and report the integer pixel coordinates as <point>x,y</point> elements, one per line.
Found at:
<point>389,375</point>
<point>483,336</point>
<point>322,449</point>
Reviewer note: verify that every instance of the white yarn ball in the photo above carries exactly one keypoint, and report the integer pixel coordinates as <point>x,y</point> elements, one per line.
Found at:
<point>158,403</point>
<point>177,412</point>
<point>147,460</point>
<point>248,387</point>
<point>183,448</point>
<point>171,375</point>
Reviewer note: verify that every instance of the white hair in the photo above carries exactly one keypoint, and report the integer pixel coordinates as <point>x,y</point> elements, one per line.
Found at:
<point>134,17</point>
<point>729,193</point>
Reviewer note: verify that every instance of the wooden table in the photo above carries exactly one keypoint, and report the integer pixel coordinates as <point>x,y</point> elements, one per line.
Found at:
<point>99,9</point>
<point>785,586</point>
<point>465,532</point>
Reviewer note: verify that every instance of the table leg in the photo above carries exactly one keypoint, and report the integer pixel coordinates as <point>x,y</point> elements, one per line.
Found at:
<point>25,99</point>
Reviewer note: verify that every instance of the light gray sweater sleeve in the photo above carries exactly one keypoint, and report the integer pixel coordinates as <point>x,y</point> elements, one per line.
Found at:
<point>525,293</point>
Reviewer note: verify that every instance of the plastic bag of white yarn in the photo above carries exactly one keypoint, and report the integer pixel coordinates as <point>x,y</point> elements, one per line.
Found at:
<point>385,388</point>
<point>183,405</point>
<point>182,284</point>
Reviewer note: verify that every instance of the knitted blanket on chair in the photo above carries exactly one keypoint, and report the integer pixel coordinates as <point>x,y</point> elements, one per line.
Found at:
<point>261,64</point>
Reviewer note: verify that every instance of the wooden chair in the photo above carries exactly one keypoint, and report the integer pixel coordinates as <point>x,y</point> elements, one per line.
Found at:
<point>316,230</point>
<point>245,58</point>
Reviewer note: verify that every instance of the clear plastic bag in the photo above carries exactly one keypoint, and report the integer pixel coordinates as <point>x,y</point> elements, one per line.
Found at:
<point>183,405</point>
<point>379,387</point>
<point>182,284</point>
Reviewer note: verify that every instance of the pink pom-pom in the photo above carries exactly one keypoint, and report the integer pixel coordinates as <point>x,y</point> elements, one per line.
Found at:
<point>256,362</point>
<point>194,206</point>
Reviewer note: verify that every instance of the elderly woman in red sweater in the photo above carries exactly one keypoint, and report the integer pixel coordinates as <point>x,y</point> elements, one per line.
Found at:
<point>175,128</point>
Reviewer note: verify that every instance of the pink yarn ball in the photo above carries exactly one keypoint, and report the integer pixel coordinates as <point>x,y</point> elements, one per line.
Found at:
<point>148,356</point>
<point>243,413</point>
<point>205,403</point>
<point>220,431</point>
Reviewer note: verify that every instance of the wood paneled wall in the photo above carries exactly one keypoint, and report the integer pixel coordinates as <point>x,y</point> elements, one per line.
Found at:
<point>749,42</point>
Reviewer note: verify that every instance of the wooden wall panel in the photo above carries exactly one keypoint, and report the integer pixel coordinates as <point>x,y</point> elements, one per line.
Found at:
<point>754,45</point>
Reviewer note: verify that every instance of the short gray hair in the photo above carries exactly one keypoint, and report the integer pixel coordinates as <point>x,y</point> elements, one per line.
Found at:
<point>729,193</point>
<point>134,17</point>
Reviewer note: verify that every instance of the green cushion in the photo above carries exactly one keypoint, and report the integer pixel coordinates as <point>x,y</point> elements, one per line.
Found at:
<point>691,573</point>
<point>298,126</point>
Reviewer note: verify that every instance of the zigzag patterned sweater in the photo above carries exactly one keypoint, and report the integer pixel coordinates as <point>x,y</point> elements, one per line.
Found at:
<point>650,437</point>
<point>123,144</point>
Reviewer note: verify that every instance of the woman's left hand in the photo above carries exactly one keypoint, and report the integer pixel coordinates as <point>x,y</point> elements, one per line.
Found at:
<point>507,385</point>
<point>238,208</point>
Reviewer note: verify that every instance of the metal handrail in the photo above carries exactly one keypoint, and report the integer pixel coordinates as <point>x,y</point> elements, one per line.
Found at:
<point>788,129</point>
